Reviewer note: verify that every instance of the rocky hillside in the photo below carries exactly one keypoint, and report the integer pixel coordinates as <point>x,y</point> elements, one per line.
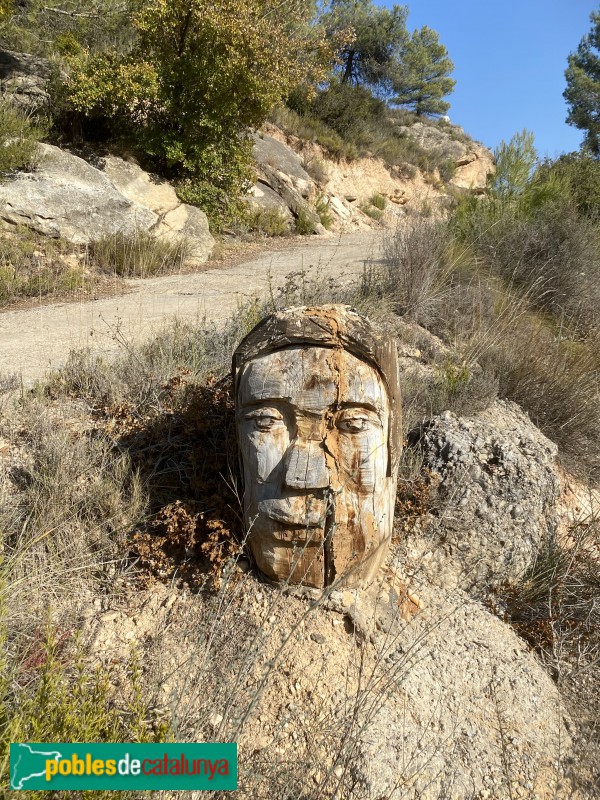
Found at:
<point>292,170</point>
<point>86,195</point>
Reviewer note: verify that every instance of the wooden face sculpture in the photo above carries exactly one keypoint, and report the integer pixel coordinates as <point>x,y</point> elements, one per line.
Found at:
<point>318,430</point>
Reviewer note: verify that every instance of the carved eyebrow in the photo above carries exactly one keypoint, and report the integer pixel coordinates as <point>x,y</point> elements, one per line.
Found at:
<point>364,406</point>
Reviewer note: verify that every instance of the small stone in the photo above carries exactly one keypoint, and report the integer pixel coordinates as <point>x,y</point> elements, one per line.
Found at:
<point>215,720</point>
<point>318,638</point>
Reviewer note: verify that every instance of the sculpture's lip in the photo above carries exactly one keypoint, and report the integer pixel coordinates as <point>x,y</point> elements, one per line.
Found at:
<point>296,512</point>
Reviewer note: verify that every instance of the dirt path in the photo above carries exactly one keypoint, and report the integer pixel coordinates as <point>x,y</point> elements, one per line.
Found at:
<point>34,340</point>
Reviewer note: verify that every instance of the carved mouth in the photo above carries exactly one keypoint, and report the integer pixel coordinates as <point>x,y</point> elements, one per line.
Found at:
<point>303,511</point>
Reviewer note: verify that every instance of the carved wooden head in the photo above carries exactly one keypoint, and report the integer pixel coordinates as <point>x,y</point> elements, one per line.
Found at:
<point>318,421</point>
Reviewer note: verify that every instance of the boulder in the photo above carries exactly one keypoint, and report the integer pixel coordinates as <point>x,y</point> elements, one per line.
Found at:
<point>69,198</point>
<point>393,695</point>
<point>191,224</point>
<point>25,78</point>
<point>272,153</point>
<point>468,707</point>
<point>140,187</point>
<point>496,489</point>
<point>176,220</point>
<point>472,172</point>
<point>336,204</point>
<point>281,185</point>
<point>263,197</point>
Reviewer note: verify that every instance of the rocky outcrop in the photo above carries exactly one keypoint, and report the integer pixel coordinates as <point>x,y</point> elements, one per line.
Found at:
<point>474,162</point>
<point>263,197</point>
<point>69,198</point>
<point>469,710</point>
<point>270,152</point>
<point>416,694</point>
<point>175,220</point>
<point>25,78</point>
<point>282,173</point>
<point>497,487</point>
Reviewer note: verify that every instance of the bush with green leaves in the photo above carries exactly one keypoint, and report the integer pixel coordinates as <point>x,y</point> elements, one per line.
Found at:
<point>577,174</point>
<point>19,137</point>
<point>532,232</point>
<point>197,78</point>
<point>266,221</point>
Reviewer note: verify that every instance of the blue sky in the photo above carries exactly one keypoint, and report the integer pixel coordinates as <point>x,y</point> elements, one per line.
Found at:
<point>510,60</point>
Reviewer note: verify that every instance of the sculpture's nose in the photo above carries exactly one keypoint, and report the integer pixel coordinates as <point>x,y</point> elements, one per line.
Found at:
<point>305,465</point>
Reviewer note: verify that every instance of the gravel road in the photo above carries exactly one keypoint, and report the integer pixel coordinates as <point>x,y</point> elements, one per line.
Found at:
<point>37,339</point>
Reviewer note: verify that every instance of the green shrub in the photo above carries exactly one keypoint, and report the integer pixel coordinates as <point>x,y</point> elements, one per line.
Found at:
<point>544,247</point>
<point>266,221</point>
<point>378,201</point>
<point>374,213</point>
<point>304,222</point>
<point>351,111</point>
<point>324,212</point>
<point>19,136</point>
<point>311,129</point>
<point>195,80</point>
<point>579,175</point>
<point>138,256</point>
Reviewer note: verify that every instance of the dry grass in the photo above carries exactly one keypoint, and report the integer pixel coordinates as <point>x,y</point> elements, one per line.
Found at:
<point>556,609</point>
<point>32,265</point>
<point>138,256</point>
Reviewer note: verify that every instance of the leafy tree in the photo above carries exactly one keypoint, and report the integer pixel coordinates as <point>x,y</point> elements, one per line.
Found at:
<point>583,87</point>
<point>422,78</point>
<point>373,40</point>
<point>201,73</point>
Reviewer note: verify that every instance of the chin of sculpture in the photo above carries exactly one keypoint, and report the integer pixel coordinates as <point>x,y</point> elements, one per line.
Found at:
<point>319,431</point>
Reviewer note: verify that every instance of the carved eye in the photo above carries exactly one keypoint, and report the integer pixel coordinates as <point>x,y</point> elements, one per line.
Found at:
<point>265,419</point>
<point>356,421</point>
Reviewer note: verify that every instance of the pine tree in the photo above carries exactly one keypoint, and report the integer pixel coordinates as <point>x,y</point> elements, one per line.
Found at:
<point>583,87</point>
<point>422,79</point>
<point>373,41</point>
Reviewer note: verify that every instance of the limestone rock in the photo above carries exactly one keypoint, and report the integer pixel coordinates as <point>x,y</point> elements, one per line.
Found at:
<point>24,77</point>
<point>176,220</point>
<point>277,155</point>
<point>473,170</point>
<point>431,137</point>
<point>140,187</point>
<point>338,207</point>
<point>462,675</point>
<point>67,197</point>
<point>70,198</point>
<point>496,500</point>
<point>474,162</point>
<point>282,186</point>
<point>263,197</point>
<point>191,224</point>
